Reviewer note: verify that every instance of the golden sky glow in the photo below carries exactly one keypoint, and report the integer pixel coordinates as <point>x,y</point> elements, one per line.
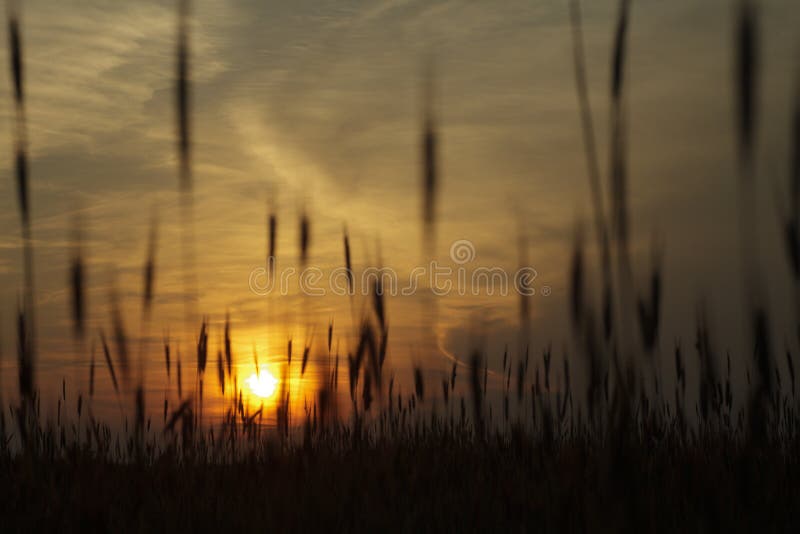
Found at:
<point>315,106</point>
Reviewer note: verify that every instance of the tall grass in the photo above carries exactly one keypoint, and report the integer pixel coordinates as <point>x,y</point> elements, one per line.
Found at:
<point>26,323</point>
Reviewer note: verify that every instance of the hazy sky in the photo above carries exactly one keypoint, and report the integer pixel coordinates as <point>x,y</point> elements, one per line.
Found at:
<point>316,105</point>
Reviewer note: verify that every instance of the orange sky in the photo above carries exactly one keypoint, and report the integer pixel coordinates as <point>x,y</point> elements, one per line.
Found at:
<point>315,106</point>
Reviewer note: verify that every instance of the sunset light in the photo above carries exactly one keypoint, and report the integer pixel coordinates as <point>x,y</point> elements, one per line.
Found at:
<point>262,384</point>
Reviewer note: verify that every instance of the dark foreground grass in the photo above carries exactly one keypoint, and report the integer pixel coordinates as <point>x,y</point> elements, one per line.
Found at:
<point>434,479</point>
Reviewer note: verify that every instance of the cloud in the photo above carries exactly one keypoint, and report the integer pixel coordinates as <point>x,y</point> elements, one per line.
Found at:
<point>322,100</point>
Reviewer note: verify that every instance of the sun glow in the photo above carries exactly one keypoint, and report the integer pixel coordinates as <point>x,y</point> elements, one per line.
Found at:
<point>262,384</point>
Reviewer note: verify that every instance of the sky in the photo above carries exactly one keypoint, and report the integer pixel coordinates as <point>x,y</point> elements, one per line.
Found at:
<point>315,107</point>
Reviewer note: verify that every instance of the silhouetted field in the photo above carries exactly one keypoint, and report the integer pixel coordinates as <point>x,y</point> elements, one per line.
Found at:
<point>433,477</point>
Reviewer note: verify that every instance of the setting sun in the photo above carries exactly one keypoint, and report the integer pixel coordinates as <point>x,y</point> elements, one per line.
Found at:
<point>262,384</point>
